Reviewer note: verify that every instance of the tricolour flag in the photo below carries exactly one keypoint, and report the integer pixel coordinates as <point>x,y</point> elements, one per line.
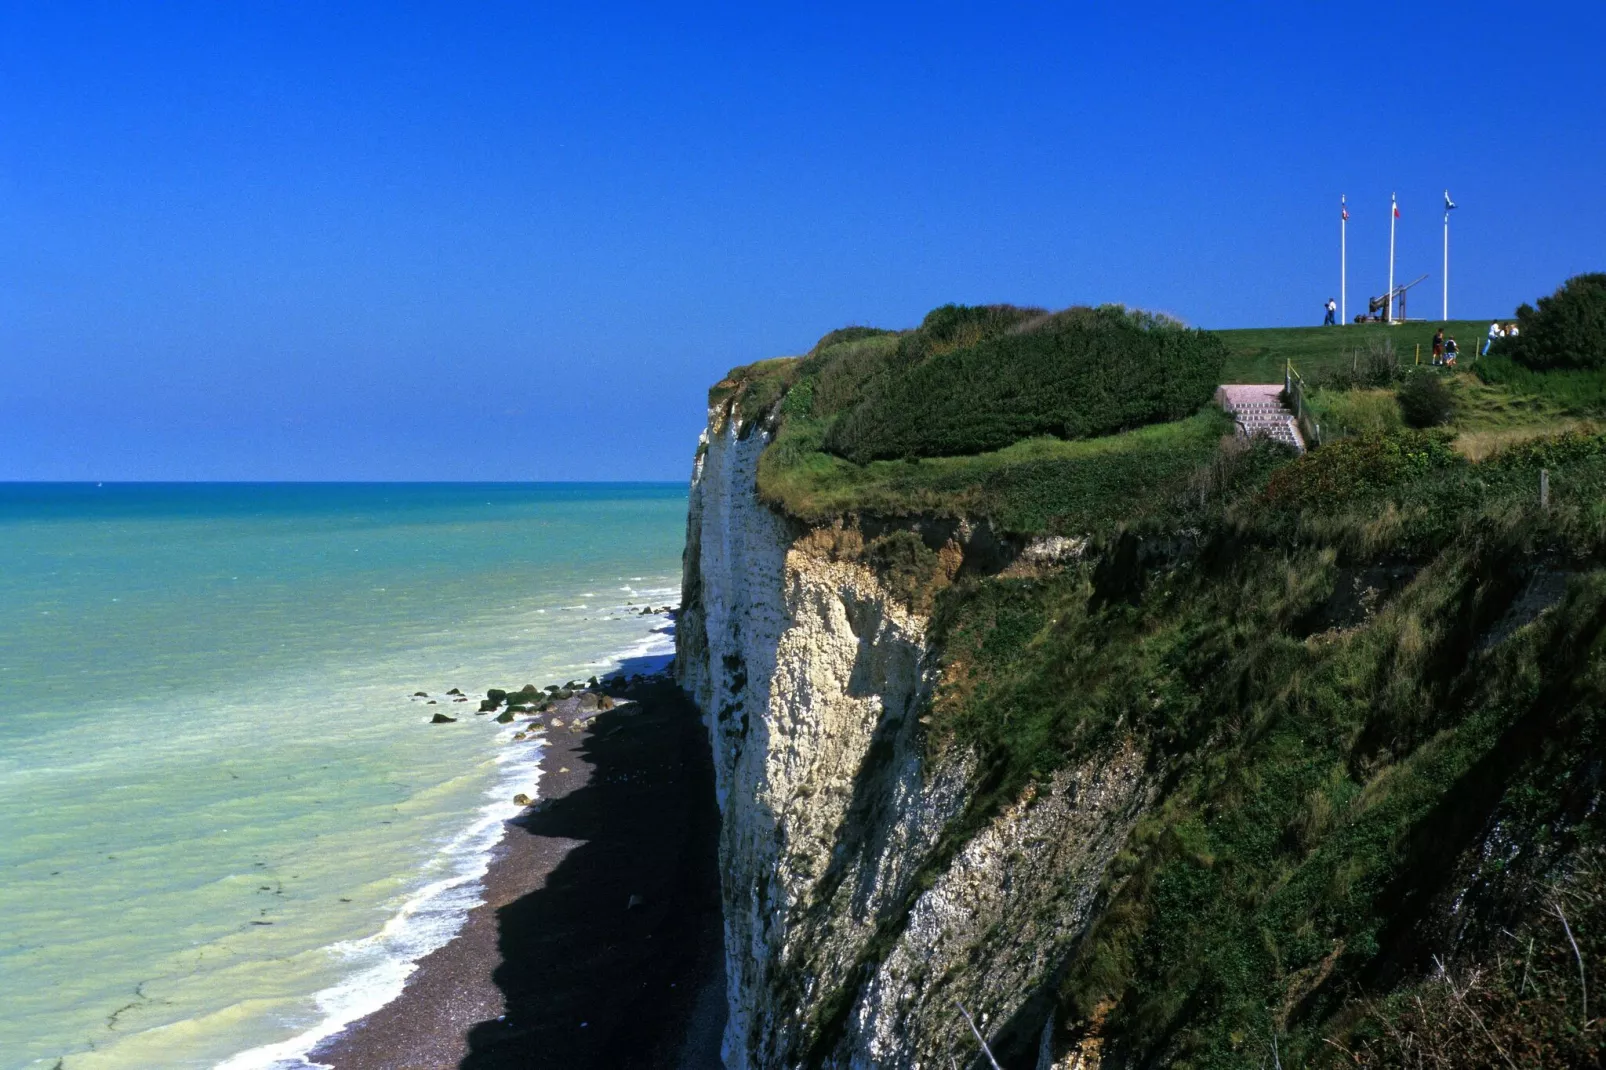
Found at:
<point>1396,210</point>
<point>1343,209</point>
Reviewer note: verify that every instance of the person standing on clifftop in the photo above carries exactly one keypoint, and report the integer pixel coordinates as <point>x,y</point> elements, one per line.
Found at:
<point>1438,345</point>
<point>1332,307</point>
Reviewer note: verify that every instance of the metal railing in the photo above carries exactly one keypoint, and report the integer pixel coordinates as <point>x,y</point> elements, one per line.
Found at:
<point>1294,390</point>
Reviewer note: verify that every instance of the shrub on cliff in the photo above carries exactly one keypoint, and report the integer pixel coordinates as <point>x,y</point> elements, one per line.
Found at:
<point>850,361</point>
<point>1424,401</point>
<point>1354,468</point>
<point>974,380</point>
<point>1567,330</point>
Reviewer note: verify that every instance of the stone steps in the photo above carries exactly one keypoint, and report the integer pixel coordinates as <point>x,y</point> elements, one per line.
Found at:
<point>1259,412</point>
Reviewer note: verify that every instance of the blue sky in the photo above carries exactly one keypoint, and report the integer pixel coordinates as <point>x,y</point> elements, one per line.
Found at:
<point>513,241</point>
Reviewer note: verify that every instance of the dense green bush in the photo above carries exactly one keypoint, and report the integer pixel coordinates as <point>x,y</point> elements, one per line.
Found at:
<point>1424,401</point>
<point>1357,467</point>
<point>1567,330</point>
<point>972,380</point>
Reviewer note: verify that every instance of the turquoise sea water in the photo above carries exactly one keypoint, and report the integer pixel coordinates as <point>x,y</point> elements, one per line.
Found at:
<point>226,826</point>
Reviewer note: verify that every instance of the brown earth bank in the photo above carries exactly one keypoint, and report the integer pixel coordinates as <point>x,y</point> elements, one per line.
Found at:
<point>599,941</point>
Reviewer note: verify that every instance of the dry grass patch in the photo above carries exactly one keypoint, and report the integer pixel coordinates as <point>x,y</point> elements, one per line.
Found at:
<point>1477,445</point>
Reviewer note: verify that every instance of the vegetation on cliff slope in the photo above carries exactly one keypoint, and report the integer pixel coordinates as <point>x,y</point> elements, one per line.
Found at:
<point>1376,750</point>
<point>1371,682</point>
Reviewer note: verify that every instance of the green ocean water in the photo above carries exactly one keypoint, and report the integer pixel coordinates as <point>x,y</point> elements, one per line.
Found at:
<point>226,826</point>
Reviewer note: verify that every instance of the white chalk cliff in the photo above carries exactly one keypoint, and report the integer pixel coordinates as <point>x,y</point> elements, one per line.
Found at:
<point>860,906</point>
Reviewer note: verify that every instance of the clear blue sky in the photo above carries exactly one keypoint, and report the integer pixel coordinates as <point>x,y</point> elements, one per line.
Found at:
<point>513,241</point>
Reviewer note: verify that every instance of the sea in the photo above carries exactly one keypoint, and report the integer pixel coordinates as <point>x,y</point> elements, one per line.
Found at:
<point>228,826</point>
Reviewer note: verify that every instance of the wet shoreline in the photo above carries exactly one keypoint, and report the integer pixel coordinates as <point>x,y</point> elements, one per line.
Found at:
<point>599,939</point>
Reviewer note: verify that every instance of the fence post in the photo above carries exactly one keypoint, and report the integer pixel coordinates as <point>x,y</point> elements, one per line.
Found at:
<point>1544,489</point>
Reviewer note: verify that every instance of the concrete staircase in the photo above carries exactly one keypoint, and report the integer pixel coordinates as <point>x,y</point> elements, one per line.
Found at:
<point>1259,410</point>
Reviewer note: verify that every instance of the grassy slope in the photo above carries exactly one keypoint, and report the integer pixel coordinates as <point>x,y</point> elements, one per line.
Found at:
<point>1497,402</point>
<point>1036,486</point>
<point>1328,791</point>
<point>1258,355</point>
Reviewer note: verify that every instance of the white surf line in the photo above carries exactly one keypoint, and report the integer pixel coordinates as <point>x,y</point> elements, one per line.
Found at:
<point>431,917</point>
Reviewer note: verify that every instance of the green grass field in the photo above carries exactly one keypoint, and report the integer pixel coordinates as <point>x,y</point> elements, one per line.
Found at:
<point>1035,486</point>
<point>1258,354</point>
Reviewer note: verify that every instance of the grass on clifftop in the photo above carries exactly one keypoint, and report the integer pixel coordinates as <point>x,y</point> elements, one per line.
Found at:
<point>1259,354</point>
<point>1033,485</point>
<point>1079,486</point>
<point>1039,485</point>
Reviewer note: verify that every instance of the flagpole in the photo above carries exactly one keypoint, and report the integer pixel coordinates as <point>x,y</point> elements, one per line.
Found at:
<point>1343,260</point>
<point>1444,311</point>
<point>1388,302</point>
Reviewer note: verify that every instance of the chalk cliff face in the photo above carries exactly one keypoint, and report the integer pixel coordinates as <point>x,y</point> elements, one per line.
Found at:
<point>860,905</point>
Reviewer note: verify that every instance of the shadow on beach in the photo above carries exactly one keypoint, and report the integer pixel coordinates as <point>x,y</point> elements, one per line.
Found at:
<point>617,960</point>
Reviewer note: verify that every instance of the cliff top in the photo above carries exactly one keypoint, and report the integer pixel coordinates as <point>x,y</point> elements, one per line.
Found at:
<point>1090,419</point>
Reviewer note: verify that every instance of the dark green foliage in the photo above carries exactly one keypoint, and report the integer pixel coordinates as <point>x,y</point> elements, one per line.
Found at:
<point>1567,330</point>
<point>1076,374</point>
<point>847,334</point>
<point>953,327</point>
<point>1521,1006</point>
<point>1360,467</point>
<point>1424,401</point>
<point>849,361</point>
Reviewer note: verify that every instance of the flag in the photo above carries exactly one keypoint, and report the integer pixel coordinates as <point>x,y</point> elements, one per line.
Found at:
<point>1448,203</point>
<point>1396,210</point>
<point>1343,209</point>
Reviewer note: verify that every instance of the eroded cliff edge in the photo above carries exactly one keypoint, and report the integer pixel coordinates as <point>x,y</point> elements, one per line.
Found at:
<point>856,897</point>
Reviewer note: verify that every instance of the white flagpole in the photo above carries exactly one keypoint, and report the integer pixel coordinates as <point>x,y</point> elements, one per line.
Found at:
<point>1343,259</point>
<point>1444,311</point>
<point>1388,302</point>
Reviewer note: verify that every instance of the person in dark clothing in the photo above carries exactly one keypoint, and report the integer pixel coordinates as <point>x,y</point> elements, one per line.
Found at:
<point>1438,346</point>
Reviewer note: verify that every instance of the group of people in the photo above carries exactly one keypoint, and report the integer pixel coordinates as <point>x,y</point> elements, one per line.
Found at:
<point>1444,349</point>
<point>1496,332</point>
